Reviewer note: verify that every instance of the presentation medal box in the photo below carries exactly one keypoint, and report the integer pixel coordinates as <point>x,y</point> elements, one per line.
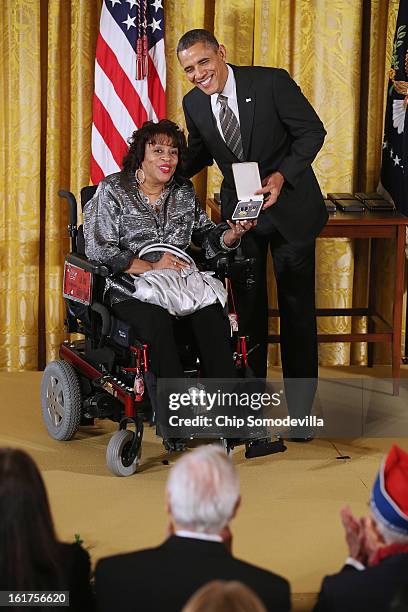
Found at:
<point>247,181</point>
<point>346,202</point>
<point>330,206</point>
<point>375,202</point>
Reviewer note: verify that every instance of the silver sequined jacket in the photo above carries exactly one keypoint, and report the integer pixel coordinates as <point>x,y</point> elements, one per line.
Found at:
<point>118,223</point>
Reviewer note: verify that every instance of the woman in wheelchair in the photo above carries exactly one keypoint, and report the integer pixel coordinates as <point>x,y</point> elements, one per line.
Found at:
<point>148,202</point>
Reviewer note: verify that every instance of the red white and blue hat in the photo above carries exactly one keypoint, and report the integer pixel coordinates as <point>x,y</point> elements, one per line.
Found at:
<point>389,496</point>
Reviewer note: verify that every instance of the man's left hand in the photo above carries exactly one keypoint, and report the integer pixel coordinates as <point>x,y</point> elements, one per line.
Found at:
<point>272,184</point>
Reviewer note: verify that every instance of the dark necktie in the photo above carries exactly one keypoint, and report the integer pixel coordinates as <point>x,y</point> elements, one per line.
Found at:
<point>230,128</point>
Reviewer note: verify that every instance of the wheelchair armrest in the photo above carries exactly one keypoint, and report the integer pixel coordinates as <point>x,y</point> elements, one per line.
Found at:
<point>236,267</point>
<point>87,264</point>
<point>232,265</point>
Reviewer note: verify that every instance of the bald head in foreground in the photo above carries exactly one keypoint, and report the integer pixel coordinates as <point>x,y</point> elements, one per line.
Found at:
<point>202,497</point>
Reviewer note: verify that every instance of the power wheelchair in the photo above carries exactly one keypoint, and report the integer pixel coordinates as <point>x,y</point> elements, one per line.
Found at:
<point>106,374</point>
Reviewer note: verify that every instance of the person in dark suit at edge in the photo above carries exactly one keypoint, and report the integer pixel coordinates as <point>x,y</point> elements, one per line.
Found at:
<point>375,572</point>
<point>202,497</point>
<point>252,113</point>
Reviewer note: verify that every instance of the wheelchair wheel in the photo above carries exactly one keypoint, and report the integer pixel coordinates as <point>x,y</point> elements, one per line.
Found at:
<point>117,453</point>
<point>61,400</point>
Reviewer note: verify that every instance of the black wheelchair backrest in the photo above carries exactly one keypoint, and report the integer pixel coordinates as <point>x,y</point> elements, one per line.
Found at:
<point>76,234</point>
<point>87,193</point>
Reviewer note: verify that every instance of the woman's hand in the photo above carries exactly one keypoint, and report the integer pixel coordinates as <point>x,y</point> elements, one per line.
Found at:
<point>167,260</point>
<point>237,230</point>
<point>170,261</point>
<point>138,266</point>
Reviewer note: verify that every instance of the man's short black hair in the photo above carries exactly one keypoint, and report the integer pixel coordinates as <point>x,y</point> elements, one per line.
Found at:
<point>192,37</point>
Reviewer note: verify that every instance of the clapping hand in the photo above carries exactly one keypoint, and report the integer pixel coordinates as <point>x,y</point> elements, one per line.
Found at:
<point>362,536</point>
<point>354,532</point>
<point>373,540</point>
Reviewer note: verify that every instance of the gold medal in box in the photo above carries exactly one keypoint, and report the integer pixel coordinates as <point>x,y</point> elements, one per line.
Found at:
<point>247,181</point>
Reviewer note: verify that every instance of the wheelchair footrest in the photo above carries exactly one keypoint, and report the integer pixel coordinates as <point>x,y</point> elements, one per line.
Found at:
<point>174,445</point>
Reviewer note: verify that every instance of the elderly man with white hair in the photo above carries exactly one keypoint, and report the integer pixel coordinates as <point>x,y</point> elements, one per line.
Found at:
<point>202,496</point>
<point>377,565</point>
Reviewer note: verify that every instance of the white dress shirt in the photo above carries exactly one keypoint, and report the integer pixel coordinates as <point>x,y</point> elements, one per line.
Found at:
<point>230,91</point>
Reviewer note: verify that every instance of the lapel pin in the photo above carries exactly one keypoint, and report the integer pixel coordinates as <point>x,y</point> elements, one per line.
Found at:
<point>248,100</point>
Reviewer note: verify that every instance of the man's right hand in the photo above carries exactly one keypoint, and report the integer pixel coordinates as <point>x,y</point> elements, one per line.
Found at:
<point>271,185</point>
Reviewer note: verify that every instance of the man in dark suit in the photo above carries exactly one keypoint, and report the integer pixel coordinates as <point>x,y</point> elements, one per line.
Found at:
<point>202,497</point>
<point>377,566</point>
<point>275,126</point>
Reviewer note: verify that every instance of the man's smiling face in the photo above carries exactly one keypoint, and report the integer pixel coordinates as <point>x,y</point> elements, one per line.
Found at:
<point>205,67</point>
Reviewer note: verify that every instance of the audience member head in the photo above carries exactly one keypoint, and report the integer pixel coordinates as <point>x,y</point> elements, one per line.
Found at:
<point>222,596</point>
<point>203,491</point>
<point>389,497</point>
<point>28,546</point>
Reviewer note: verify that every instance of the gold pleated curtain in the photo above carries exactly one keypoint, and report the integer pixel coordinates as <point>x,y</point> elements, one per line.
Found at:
<point>338,52</point>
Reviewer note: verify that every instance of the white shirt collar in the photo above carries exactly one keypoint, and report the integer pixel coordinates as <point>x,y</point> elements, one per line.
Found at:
<point>210,537</point>
<point>230,89</point>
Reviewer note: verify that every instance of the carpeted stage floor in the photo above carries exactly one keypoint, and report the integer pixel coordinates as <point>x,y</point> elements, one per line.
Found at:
<point>288,521</point>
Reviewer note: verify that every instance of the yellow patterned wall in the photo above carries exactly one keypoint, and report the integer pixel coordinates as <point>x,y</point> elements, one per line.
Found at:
<point>20,159</point>
<point>338,51</point>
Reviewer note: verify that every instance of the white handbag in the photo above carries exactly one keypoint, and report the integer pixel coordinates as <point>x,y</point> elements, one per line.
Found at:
<point>180,292</point>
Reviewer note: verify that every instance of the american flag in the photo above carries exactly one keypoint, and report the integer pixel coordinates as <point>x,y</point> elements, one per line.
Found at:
<point>130,78</point>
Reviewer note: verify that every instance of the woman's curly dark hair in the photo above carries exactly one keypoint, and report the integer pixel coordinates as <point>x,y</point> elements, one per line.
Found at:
<point>153,133</point>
